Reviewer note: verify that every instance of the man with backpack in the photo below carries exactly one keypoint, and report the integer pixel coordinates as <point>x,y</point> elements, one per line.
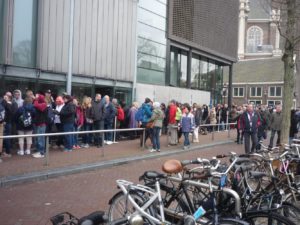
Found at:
<point>24,121</point>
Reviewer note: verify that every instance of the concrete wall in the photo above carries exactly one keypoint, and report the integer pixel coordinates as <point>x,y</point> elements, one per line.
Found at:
<point>165,94</point>
<point>104,37</point>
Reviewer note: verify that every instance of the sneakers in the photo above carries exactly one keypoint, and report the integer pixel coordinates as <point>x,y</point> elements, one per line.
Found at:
<point>85,146</point>
<point>38,155</point>
<point>76,147</point>
<point>158,150</point>
<point>68,150</point>
<point>109,142</point>
<point>27,152</point>
<point>152,150</point>
<point>5,155</point>
<point>20,152</point>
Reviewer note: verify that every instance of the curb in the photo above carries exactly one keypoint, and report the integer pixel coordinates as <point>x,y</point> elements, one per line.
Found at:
<point>53,173</point>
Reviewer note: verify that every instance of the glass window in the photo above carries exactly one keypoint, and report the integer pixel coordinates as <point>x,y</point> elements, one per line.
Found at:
<point>155,6</point>
<point>258,91</point>
<point>195,73</point>
<point>255,36</point>
<point>238,92</point>
<point>278,91</point>
<point>150,76</point>
<point>272,91</point>
<point>211,75</point>
<point>24,32</point>
<point>151,62</point>
<point>151,33</point>
<point>174,68</point>
<point>151,19</point>
<point>1,30</point>
<point>151,48</point>
<point>183,69</point>
<point>203,74</point>
<point>252,91</point>
<point>81,90</point>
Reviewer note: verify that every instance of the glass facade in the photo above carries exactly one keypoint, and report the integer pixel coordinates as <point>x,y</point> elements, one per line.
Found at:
<point>151,51</point>
<point>24,33</point>
<point>178,76</point>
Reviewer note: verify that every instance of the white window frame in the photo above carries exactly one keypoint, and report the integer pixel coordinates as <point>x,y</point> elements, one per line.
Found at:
<point>261,36</point>
<point>255,101</point>
<point>275,96</point>
<point>238,96</point>
<point>256,92</point>
<point>274,100</point>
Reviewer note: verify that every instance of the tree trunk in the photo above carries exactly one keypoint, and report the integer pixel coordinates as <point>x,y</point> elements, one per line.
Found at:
<point>289,78</point>
<point>288,90</point>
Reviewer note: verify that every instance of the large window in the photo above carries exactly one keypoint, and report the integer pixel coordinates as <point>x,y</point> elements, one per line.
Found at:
<point>275,91</point>
<point>24,33</point>
<point>203,74</point>
<point>273,103</point>
<point>195,73</point>
<point>151,55</point>
<point>255,91</point>
<point>254,38</point>
<point>178,68</point>
<point>238,92</point>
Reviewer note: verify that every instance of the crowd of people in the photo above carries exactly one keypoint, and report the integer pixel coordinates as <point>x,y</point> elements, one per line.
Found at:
<point>41,113</point>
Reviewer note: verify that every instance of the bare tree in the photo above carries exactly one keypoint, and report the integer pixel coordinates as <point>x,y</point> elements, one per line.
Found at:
<point>286,15</point>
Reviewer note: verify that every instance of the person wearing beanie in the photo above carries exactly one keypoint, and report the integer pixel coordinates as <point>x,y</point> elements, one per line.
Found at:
<point>40,122</point>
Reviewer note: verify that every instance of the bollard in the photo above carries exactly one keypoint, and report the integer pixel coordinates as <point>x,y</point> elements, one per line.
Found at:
<point>47,152</point>
<point>213,133</point>
<point>144,136</point>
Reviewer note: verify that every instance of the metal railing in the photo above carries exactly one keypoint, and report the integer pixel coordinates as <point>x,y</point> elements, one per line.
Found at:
<point>47,135</point>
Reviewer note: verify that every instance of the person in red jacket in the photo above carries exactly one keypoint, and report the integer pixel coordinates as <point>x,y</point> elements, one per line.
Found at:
<point>79,121</point>
<point>40,122</point>
<point>172,125</point>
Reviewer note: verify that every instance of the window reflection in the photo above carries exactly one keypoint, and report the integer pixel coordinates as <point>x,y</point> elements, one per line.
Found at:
<point>183,69</point>
<point>155,6</point>
<point>151,19</point>
<point>151,33</point>
<point>150,76</point>
<point>150,47</point>
<point>195,73</point>
<point>24,32</point>
<point>203,73</point>
<point>151,62</point>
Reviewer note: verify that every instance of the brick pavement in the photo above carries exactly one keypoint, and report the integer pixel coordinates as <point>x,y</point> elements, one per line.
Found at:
<point>18,165</point>
<point>80,194</point>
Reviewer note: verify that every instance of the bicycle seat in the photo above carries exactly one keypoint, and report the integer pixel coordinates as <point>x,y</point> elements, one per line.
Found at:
<point>172,166</point>
<point>257,175</point>
<point>153,175</point>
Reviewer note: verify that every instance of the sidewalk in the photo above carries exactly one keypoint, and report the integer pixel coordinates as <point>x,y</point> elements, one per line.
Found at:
<point>122,152</point>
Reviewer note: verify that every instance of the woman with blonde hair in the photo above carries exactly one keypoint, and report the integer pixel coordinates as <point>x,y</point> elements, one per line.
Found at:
<point>87,121</point>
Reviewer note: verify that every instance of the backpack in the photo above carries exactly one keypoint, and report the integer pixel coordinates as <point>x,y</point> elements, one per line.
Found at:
<point>26,119</point>
<point>139,115</point>
<point>121,115</point>
<point>2,113</point>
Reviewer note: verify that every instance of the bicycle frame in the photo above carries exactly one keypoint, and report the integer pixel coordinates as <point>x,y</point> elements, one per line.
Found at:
<point>125,186</point>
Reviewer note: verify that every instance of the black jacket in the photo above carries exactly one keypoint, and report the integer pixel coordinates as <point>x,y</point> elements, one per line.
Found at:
<point>67,113</point>
<point>245,123</point>
<point>97,110</point>
<point>198,116</point>
<point>10,111</point>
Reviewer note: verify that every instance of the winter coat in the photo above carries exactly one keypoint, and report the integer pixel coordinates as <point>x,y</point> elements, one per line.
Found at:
<point>213,117</point>
<point>10,111</point>
<point>187,122</point>
<point>178,114</point>
<point>245,123</point>
<point>276,121</point>
<point>67,113</point>
<point>109,113</point>
<point>88,115</point>
<point>172,114</point>
<point>147,113</point>
<point>79,119</point>
<point>41,116</point>
<point>98,110</point>
<point>57,117</point>
<point>198,116</point>
<point>157,117</point>
<point>28,108</point>
<point>132,122</point>
<point>224,114</point>
<point>205,114</point>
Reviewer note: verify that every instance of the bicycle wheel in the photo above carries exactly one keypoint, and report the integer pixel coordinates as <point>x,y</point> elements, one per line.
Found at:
<point>267,218</point>
<point>290,211</point>
<point>121,207</point>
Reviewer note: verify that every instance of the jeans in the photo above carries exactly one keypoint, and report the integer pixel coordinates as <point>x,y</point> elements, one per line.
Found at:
<point>98,125</point>
<point>7,142</point>
<point>87,138</point>
<point>40,141</point>
<point>108,135</point>
<point>69,127</point>
<point>75,136</point>
<point>60,139</point>
<point>155,138</point>
<point>247,137</point>
<point>272,138</point>
<point>186,139</point>
<point>148,134</point>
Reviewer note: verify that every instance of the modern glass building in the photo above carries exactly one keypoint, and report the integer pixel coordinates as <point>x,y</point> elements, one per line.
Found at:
<point>127,49</point>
